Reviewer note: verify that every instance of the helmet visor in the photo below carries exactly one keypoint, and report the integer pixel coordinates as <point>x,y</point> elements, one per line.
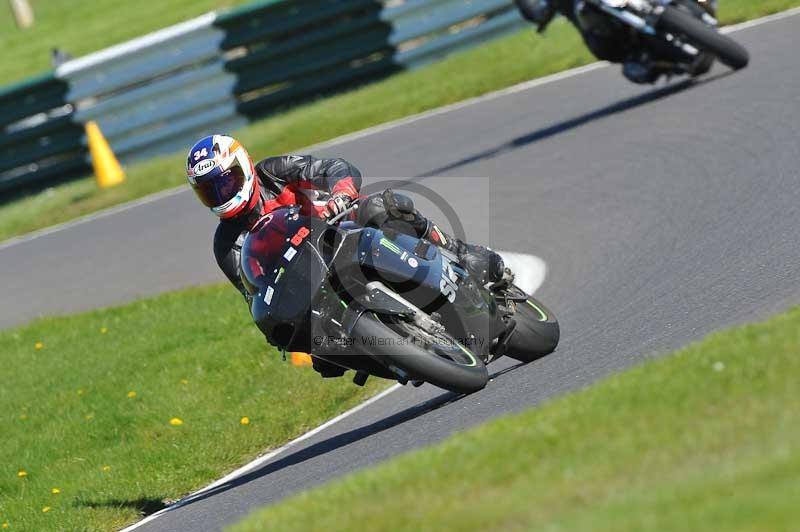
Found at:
<point>220,189</point>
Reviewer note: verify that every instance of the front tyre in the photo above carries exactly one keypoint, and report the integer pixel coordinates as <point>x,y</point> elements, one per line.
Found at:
<point>419,355</point>
<point>536,333</point>
<point>728,51</point>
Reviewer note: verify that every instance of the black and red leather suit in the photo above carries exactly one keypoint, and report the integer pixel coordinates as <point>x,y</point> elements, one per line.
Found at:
<point>286,180</point>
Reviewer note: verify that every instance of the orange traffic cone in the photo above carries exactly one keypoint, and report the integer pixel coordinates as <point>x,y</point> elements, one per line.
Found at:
<point>301,359</point>
<point>107,170</point>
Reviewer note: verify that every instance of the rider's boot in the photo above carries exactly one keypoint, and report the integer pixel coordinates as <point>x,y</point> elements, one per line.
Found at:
<point>480,261</point>
<point>639,68</point>
<point>640,73</point>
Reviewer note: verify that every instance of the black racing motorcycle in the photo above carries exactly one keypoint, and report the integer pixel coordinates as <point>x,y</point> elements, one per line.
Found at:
<point>384,303</point>
<point>678,36</point>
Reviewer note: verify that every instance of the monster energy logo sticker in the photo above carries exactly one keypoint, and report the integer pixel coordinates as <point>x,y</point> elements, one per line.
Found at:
<point>391,246</point>
<point>543,316</point>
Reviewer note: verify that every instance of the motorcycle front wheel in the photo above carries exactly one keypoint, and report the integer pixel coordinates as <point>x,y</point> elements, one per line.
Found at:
<point>416,354</point>
<point>728,51</point>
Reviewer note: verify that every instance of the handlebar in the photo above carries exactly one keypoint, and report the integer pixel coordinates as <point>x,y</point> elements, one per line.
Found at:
<point>352,208</point>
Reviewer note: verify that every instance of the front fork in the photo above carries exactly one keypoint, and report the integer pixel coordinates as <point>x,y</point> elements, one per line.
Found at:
<point>710,6</point>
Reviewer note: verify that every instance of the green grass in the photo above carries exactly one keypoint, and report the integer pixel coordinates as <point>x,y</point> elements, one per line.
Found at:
<point>68,421</point>
<point>81,27</point>
<point>705,439</point>
<point>498,64</point>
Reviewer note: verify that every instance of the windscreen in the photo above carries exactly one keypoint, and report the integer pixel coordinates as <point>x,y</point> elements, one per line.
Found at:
<point>264,248</point>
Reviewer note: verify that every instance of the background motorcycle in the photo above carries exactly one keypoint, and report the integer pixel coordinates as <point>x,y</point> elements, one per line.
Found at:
<point>679,36</point>
<point>384,303</point>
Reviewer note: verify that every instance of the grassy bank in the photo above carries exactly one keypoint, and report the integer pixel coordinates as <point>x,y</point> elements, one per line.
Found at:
<point>705,439</point>
<point>106,415</point>
<point>82,27</point>
<point>501,63</point>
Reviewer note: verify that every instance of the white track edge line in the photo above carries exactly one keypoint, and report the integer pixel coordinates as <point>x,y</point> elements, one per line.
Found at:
<point>530,271</point>
<point>759,21</point>
<point>264,458</point>
<point>558,76</point>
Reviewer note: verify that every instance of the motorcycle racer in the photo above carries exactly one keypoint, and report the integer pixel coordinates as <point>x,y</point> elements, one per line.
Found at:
<point>239,192</point>
<point>637,66</point>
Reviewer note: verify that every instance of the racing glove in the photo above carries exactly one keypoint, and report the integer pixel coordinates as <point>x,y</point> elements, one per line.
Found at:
<point>337,204</point>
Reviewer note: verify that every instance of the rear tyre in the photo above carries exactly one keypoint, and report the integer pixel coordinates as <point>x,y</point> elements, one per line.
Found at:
<point>536,334</point>
<point>419,355</point>
<point>727,50</point>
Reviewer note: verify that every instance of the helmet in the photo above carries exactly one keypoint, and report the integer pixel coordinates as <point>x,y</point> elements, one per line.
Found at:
<point>222,175</point>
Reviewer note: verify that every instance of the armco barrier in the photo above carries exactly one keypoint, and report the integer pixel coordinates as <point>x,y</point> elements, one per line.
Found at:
<point>152,93</point>
<point>286,52</point>
<point>158,93</point>
<point>40,140</point>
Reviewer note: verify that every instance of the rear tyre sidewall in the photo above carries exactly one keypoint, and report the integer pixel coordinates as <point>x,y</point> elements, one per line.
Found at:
<point>536,333</point>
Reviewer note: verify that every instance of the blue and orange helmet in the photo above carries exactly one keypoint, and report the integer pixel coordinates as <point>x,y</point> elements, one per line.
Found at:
<point>222,175</point>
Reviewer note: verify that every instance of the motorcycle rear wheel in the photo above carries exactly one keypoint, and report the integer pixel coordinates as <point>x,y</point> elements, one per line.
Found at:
<point>402,346</point>
<point>536,333</point>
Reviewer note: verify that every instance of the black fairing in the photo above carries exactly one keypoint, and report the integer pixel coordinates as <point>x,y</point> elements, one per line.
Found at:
<point>471,312</point>
<point>292,265</point>
<point>283,276</point>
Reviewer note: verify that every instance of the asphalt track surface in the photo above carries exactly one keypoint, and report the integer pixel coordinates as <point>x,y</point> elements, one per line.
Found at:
<point>663,214</point>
